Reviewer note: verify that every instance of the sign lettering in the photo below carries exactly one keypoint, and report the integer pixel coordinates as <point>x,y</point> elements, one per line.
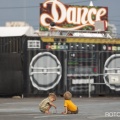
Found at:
<point>68,17</point>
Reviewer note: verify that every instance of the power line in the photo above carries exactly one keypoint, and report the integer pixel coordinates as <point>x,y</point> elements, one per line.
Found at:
<point>80,1</point>
<point>114,15</point>
<point>115,20</point>
<point>19,7</point>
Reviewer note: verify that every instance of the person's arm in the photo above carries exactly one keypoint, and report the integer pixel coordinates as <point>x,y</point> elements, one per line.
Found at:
<point>65,110</point>
<point>52,104</point>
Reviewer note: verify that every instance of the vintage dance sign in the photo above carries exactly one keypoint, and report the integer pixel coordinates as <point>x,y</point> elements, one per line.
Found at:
<point>71,17</point>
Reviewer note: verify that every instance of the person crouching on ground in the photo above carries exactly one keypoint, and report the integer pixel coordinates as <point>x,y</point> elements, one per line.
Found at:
<point>69,106</point>
<point>47,103</point>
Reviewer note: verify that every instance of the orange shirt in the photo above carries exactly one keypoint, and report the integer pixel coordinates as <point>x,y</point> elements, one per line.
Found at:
<point>70,105</point>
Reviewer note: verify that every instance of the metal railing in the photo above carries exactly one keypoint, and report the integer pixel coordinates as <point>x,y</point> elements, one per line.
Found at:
<point>102,83</point>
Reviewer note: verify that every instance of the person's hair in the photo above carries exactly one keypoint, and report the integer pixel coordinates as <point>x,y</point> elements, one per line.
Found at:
<point>67,95</point>
<point>53,95</point>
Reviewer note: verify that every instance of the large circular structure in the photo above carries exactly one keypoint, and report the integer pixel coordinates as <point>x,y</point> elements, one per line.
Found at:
<point>112,72</point>
<point>45,71</point>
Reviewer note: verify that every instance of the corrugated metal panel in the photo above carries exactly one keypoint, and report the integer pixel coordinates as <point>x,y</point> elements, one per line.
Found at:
<point>11,44</point>
<point>11,66</point>
<point>82,63</point>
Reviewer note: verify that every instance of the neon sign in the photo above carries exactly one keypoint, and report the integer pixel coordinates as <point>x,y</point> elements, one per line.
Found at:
<point>69,17</point>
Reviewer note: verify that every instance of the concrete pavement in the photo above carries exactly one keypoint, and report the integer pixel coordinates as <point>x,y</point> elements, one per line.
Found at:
<point>102,108</point>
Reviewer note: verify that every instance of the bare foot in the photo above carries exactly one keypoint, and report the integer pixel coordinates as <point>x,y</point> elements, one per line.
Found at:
<point>63,113</point>
<point>47,112</point>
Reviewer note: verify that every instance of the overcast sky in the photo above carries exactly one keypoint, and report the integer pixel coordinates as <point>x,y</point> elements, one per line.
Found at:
<point>28,10</point>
